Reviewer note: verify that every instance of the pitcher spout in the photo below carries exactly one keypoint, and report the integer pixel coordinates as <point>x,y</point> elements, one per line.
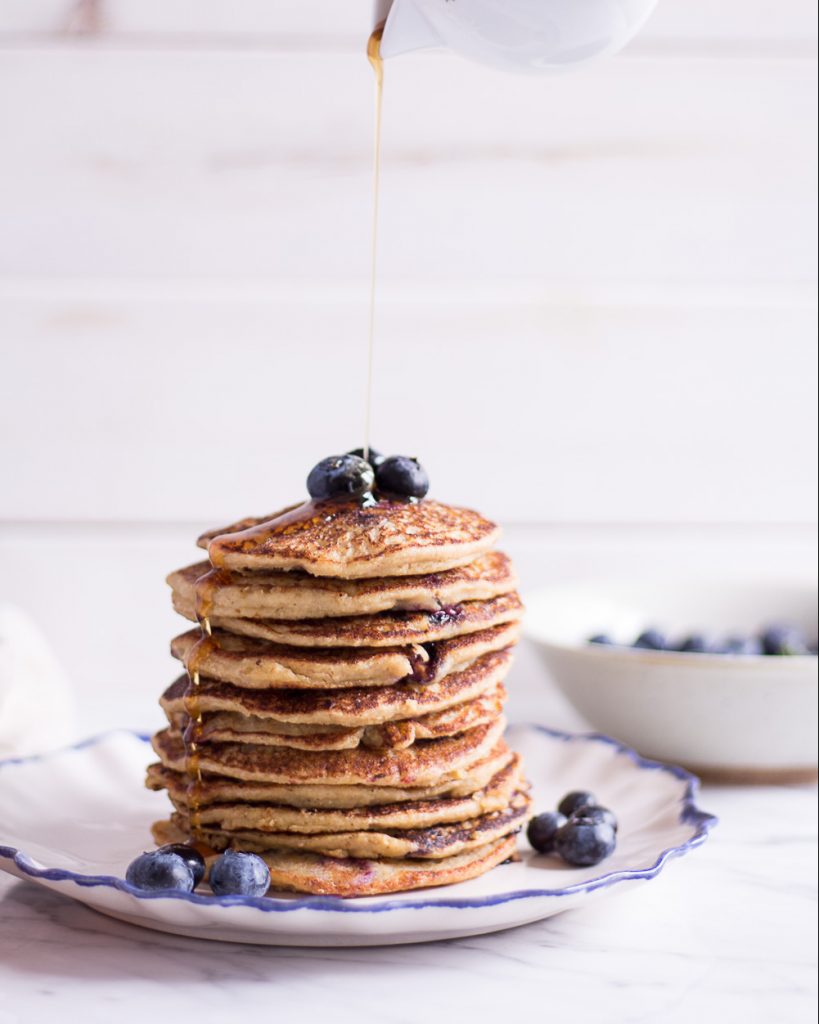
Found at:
<point>406,29</point>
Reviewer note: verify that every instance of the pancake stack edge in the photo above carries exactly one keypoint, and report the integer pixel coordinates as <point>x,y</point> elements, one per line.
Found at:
<point>341,714</point>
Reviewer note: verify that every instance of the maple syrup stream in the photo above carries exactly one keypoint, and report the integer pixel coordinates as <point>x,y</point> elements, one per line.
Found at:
<point>375,59</point>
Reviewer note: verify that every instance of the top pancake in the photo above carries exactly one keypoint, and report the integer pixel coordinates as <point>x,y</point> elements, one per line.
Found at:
<point>346,540</point>
<point>297,595</point>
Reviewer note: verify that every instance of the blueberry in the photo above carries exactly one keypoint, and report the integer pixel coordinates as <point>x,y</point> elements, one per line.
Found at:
<point>401,475</point>
<point>741,645</point>
<point>374,457</point>
<point>193,858</point>
<point>783,639</point>
<point>602,639</point>
<point>651,640</point>
<point>239,874</point>
<point>595,815</point>
<point>572,802</point>
<point>340,475</point>
<point>584,844</point>
<point>697,643</point>
<point>542,830</point>
<point>160,870</point>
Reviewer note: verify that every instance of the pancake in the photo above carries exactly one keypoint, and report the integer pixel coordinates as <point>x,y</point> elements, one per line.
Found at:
<point>351,708</point>
<point>388,629</point>
<point>213,789</point>
<point>419,814</point>
<point>435,842</point>
<point>258,664</point>
<point>346,540</point>
<point>233,727</point>
<point>297,595</point>
<point>422,764</point>
<point>346,878</point>
<point>406,815</point>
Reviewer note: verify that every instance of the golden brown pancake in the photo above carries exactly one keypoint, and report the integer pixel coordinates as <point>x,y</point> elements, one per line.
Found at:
<point>422,764</point>
<point>345,540</point>
<point>297,595</point>
<point>350,877</point>
<point>258,664</point>
<point>212,789</point>
<point>351,708</point>
<point>388,629</point>
<point>404,815</point>
<point>434,842</point>
<point>233,727</point>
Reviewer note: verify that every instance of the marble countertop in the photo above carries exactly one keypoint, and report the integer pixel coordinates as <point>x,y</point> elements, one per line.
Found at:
<point>726,934</point>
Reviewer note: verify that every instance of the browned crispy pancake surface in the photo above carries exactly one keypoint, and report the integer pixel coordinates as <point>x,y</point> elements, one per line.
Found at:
<point>347,541</point>
<point>390,629</point>
<point>233,727</point>
<point>407,814</point>
<point>422,764</point>
<point>213,789</point>
<point>350,708</point>
<point>258,664</point>
<point>296,871</point>
<point>434,842</point>
<point>297,595</point>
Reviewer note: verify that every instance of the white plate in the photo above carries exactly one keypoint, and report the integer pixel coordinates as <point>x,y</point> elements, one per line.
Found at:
<point>72,821</point>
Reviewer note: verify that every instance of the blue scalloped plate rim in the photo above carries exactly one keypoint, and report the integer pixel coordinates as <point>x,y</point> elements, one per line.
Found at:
<point>690,815</point>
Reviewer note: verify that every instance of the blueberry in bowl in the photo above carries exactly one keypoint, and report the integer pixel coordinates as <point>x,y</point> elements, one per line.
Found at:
<point>721,707</point>
<point>651,640</point>
<point>783,640</point>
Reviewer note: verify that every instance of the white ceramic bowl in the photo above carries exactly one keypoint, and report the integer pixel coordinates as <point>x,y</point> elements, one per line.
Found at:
<point>745,718</point>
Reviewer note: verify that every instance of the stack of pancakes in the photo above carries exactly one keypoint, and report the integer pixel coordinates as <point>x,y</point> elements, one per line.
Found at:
<point>341,712</point>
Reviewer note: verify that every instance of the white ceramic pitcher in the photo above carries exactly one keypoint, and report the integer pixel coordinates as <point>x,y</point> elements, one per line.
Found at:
<point>516,35</point>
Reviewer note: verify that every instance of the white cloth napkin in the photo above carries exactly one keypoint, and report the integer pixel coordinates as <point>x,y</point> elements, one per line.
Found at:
<point>37,705</point>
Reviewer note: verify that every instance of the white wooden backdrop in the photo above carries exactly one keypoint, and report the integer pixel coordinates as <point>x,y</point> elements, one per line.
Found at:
<point>597,317</point>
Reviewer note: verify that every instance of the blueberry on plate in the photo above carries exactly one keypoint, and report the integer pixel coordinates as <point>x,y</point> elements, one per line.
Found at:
<point>783,639</point>
<point>596,815</point>
<point>239,874</point>
<point>651,640</point>
<point>340,476</point>
<point>584,844</point>
<point>402,476</point>
<point>373,456</point>
<point>542,830</point>
<point>159,871</point>
<point>192,857</point>
<point>742,645</point>
<point>572,802</point>
<point>602,639</point>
